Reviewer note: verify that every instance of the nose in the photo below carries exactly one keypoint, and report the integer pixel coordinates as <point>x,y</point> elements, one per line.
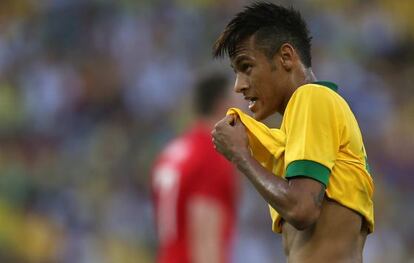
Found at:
<point>241,83</point>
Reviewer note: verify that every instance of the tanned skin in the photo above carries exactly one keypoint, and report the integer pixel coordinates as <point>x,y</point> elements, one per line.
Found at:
<point>315,229</point>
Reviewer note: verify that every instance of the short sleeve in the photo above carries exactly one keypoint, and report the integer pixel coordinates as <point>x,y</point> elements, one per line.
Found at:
<point>212,178</point>
<point>207,185</point>
<point>312,124</point>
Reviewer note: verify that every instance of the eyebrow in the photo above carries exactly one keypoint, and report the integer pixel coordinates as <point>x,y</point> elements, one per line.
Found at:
<point>239,59</point>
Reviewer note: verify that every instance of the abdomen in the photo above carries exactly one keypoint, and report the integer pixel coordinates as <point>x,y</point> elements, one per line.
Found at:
<point>338,236</point>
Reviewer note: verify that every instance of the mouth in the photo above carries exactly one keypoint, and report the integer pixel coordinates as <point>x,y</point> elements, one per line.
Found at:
<point>252,102</point>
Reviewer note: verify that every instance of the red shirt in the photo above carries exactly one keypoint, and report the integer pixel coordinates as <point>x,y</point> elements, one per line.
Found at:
<point>190,167</point>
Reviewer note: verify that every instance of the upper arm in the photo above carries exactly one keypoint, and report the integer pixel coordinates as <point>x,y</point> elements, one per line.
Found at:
<point>206,209</point>
<point>205,222</point>
<point>309,195</point>
<point>313,131</point>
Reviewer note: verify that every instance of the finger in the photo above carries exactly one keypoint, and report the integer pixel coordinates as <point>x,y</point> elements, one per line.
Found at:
<point>230,119</point>
<point>237,122</point>
<point>219,123</point>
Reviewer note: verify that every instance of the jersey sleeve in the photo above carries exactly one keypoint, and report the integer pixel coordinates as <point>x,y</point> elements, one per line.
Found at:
<point>313,127</point>
<point>211,178</point>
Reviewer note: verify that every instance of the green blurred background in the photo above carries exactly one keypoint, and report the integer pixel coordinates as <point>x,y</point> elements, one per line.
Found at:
<point>91,90</point>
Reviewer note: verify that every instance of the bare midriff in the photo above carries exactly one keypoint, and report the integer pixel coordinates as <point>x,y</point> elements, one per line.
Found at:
<point>337,237</point>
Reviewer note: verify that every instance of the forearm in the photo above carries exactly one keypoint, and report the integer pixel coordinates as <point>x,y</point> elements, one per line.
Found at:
<point>298,201</point>
<point>274,189</point>
<point>205,227</point>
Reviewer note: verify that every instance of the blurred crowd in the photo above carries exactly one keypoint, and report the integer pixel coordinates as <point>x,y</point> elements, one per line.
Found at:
<point>90,90</point>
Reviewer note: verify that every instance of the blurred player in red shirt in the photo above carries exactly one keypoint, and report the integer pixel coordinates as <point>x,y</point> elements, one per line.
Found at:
<point>195,188</point>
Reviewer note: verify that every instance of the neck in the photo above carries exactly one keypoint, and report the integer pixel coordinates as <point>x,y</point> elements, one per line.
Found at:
<point>209,121</point>
<point>309,76</point>
<point>303,76</point>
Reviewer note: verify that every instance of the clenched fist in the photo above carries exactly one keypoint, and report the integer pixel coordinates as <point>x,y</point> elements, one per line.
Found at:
<point>230,137</point>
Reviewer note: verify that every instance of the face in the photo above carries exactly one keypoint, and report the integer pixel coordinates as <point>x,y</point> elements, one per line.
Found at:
<point>261,81</point>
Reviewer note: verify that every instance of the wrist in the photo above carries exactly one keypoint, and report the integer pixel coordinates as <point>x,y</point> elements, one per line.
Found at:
<point>241,157</point>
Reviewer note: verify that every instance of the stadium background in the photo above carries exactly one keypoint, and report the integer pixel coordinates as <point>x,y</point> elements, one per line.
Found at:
<point>90,91</point>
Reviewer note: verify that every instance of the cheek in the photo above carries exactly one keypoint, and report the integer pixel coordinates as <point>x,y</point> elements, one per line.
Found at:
<point>269,93</point>
<point>271,98</point>
<point>258,83</point>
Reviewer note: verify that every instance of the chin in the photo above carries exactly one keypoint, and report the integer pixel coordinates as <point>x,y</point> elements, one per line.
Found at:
<point>258,116</point>
<point>262,114</point>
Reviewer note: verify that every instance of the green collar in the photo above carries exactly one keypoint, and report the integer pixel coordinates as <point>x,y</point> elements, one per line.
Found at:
<point>327,84</point>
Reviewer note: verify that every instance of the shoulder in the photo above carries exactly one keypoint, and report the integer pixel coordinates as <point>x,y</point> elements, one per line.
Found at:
<point>177,151</point>
<point>174,164</point>
<point>315,91</point>
<point>314,96</point>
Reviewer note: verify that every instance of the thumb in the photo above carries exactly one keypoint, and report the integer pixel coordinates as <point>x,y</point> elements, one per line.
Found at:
<point>231,119</point>
<point>237,122</point>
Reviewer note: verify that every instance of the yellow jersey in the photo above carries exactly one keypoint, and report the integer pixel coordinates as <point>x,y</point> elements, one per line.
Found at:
<point>319,138</point>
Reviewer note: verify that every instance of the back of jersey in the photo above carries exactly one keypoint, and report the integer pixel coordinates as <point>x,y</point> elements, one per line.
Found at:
<point>187,169</point>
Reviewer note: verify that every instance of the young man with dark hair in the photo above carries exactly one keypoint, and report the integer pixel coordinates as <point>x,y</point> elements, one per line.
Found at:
<point>322,199</point>
<point>195,188</point>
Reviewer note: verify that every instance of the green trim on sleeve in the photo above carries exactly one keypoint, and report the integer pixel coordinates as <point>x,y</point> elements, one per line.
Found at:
<point>310,169</point>
<point>327,84</point>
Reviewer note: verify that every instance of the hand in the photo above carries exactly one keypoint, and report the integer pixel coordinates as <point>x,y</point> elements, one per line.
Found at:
<point>230,137</point>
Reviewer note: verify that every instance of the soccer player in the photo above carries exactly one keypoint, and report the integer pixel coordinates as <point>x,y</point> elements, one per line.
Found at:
<point>195,188</point>
<point>322,201</point>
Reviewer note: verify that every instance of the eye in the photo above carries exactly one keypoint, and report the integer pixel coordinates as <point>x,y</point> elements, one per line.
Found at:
<point>246,67</point>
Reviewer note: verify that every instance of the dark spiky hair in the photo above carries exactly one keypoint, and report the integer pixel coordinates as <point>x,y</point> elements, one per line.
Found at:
<point>272,26</point>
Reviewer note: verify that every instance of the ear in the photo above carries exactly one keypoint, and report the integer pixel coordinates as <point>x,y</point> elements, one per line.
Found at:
<point>288,56</point>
